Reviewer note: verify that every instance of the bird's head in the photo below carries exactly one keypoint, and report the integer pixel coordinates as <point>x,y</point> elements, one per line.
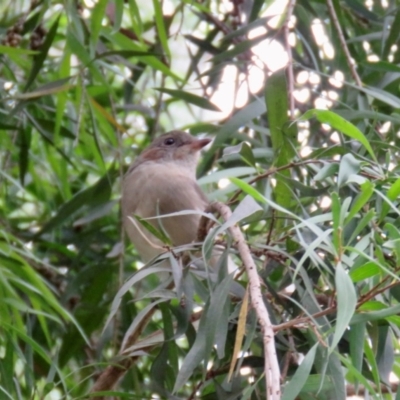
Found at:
<point>176,147</point>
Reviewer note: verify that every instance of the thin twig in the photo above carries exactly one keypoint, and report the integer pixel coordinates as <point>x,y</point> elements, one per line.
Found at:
<point>121,256</point>
<point>157,110</point>
<point>272,371</point>
<point>114,372</point>
<point>290,74</point>
<point>301,321</point>
<point>342,39</point>
<point>360,391</point>
<point>273,171</point>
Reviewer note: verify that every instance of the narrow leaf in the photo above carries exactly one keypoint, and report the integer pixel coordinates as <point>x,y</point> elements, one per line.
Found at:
<point>40,58</point>
<point>346,303</point>
<point>162,32</point>
<point>283,136</point>
<point>190,98</point>
<point>96,22</point>
<point>293,388</point>
<point>246,207</point>
<point>339,123</point>
<point>367,189</point>
<point>248,189</point>
<point>240,332</point>
<point>392,194</point>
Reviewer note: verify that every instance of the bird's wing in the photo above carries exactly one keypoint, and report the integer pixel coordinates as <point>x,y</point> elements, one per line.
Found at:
<point>155,189</point>
<point>184,194</point>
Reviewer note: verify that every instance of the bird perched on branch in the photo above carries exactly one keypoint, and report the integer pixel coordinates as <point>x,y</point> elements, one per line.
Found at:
<point>162,180</point>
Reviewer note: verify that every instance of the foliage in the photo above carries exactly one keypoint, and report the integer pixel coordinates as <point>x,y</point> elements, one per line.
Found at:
<point>84,87</point>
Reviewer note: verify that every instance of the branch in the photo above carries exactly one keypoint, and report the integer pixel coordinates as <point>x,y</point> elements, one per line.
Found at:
<point>272,371</point>
<point>113,373</point>
<point>342,39</point>
<point>301,322</point>
<point>274,170</point>
<point>110,376</point>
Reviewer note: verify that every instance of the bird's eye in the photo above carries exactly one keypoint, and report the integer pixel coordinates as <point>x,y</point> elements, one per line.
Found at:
<point>169,141</point>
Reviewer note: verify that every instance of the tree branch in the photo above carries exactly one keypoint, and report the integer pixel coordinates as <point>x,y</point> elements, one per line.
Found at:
<point>271,366</point>
<point>113,373</point>
<point>342,39</point>
<point>274,170</point>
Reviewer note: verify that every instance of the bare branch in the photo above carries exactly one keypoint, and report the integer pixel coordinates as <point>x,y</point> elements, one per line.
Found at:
<point>274,170</point>
<point>113,373</point>
<point>343,43</point>
<point>272,371</point>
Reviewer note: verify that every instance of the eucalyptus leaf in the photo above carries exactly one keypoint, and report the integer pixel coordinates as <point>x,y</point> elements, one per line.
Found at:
<point>299,379</point>
<point>347,301</point>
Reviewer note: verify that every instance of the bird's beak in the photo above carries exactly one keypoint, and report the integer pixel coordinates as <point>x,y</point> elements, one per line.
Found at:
<point>199,144</point>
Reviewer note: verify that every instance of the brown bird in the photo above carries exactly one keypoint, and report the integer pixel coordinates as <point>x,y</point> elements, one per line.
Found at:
<point>162,180</point>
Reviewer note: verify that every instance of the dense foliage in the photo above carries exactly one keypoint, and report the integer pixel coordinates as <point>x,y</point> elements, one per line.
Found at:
<point>307,155</point>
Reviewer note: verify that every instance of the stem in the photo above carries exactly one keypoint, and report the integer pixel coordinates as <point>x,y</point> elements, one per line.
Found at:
<point>343,43</point>
<point>271,366</point>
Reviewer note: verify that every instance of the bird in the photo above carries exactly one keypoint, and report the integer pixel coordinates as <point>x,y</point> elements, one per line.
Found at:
<point>162,180</point>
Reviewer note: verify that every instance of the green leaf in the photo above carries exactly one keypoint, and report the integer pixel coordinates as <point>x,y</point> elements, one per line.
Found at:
<point>382,95</point>
<point>337,223</point>
<point>137,277</point>
<point>327,171</point>
<point>96,21</point>
<point>366,219</point>
<point>190,98</point>
<point>246,29</point>
<point>216,176</point>
<point>364,271</point>
<point>137,24</point>
<point>245,208</point>
<point>205,337</point>
<point>381,66</point>
<point>245,152</point>
<point>385,313</point>
<point>362,11</point>
<point>350,365</point>
<point>161,30</point>
<point>127,54</point>
<point>367,189</point>
<point>339,123</point>
<point>348,167</point>
<point>239,48</point>
<point>299,379</point>
<point>158,233</point>
<point>392,194</point>
<point>394,236</point>
<point>283,136</point>
<point>346,304</point>
<point>40,58</point>
<point>98,193</point>
<point>16,51</point>
<point>356,339</point>
<point>45,90</point>
<point>248,189</point>
<point>393,36</point>
<point>241,118</point>
<point>24,142</point>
